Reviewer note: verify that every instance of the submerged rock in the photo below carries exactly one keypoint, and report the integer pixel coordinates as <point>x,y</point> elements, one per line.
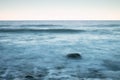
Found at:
<point>29,77</point>
<point>74,56</point>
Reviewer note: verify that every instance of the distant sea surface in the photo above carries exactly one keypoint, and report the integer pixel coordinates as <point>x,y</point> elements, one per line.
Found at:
<point>37,50</point>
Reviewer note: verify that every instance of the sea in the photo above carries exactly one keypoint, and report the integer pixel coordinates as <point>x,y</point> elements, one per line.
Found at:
<point>39,49</point>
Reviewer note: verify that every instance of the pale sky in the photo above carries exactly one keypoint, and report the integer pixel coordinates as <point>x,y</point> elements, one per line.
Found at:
<point>59,9</point>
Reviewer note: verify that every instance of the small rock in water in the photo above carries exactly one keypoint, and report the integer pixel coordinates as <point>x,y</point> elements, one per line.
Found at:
<point>29,77</point>
<point>74,56</point>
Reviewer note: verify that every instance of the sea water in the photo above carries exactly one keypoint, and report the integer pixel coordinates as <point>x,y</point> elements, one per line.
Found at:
<point>36,50</point>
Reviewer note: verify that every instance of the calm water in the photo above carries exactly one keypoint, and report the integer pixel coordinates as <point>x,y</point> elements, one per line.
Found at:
<point>36,50</point>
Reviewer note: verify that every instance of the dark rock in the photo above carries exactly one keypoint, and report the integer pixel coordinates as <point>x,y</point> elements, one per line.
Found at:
<point>74,56</point>
<point>29,77</point>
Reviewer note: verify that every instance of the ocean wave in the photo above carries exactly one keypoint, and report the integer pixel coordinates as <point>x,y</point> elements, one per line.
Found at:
<point>105,25</point>
<point>57,25</point>
<point>58,30</point>
<point>39,25</point>
<point>43,30</point>
<point>49,25</point>
<point>29,25</point>
<point>4,25</point>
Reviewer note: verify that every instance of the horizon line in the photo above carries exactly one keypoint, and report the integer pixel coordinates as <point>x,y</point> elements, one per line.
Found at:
<point>62,20</point>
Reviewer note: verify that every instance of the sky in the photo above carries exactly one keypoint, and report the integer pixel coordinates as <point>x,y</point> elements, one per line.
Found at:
<point>59,9</point>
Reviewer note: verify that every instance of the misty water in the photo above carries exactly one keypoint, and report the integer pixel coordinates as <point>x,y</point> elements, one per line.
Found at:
<point>36,50</point>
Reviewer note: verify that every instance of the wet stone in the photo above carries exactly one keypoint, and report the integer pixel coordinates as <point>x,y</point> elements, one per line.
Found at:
<point>74,56</point>
<point>29,77</point>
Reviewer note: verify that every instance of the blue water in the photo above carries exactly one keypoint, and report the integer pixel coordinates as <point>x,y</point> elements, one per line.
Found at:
<point>39,49</point>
